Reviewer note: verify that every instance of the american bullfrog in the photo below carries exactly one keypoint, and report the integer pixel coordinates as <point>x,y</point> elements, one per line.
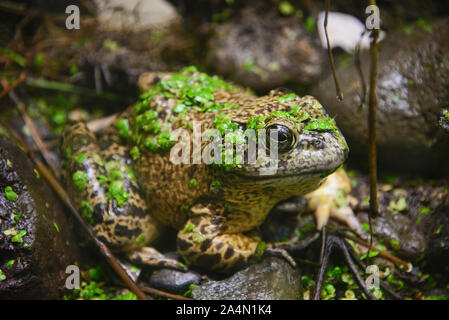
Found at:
<point>131,182</point>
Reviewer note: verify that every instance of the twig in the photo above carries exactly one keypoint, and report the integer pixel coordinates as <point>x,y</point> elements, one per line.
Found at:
<point>8,88</point>
<point>163,293</point>
<point>374,206</point>
<point>34,132</point>
<point>358,66</point>
<point>373,203</point>
<point>66,87</point>
<point>331,56</point>
<point>407,265</point>
<point>106,253</point>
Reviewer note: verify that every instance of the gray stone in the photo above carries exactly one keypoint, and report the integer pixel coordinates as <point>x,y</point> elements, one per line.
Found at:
<point>271,279</point>
<point>172,280</point>
<point>259,49</point>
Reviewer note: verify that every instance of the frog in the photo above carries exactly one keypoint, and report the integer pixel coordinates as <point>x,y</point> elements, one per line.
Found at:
<point>129,188</point>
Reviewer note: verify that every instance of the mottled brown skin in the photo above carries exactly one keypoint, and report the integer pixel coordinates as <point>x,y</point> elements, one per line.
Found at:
<point>217,225</point>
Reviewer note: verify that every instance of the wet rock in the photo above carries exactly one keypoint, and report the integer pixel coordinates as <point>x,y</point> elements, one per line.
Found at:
<point>173,281</point>
<point>412,91</point>
<point>134,15</point>
<point>261,49</point>
<point>36,243</point>
<point>271,279</point>
<point>400,233</point>
<point>413,217</point>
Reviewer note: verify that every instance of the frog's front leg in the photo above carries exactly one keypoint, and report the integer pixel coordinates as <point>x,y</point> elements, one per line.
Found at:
<point>203,242</point>
<point>102,183</point>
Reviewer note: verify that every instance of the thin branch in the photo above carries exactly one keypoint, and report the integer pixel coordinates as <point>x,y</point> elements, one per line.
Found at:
<point>8,88</point>
<point>34,132</point>
<point>331,56</point>
<point>373,203</point>
<point>163,293</point>
<point>374,206</point>
<point>406,265</point>
<point>358,66</point>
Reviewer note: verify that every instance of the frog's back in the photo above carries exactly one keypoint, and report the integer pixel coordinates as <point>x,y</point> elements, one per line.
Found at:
<point>177,104</point>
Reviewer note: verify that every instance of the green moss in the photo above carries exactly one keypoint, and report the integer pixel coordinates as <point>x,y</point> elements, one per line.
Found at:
<point>327,124</point>
<point>193,183</point>
<point>123,128</point>
<point>151,144</point>
<point>2,275</point>
<point>80,157</point>
<point>286,8</point>
<point>18,237</point>
<point>165,141</point>
<point>190,89</point>
<point>126,296</point>
<point>80,180</point>
<point>310,25</point>
<point>135,153</point>
<point>189,228</point>
<point>223,124</point>
<point>87,212</point>
<point>118,192</point>
<point>260,249</point>
<point>287,97</point>
<point>395,244</point>
<point>10,194</point>
<point>140,239</point>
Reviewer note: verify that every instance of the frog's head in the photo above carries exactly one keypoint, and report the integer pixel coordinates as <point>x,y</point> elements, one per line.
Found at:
<point>309,144</point>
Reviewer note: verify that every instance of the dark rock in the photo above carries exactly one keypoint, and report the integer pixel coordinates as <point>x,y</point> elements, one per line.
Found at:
<point>173,281</point>
<point>272,279</point>
<point>400,229</point>
<point>412,90</point>
<point>38,270</point>
<point>261,49</point>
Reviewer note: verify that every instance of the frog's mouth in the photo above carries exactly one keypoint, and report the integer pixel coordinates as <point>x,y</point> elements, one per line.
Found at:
<point>317,154</point>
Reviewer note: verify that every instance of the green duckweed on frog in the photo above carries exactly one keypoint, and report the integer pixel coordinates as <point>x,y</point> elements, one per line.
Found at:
<point>128,187</point>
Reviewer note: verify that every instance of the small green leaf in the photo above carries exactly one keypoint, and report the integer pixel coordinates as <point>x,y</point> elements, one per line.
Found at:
<point>189,228</point>
<point>10,194</point>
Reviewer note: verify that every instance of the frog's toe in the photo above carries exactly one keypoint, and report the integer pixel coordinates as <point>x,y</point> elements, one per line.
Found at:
<point>153,258</point>
<point>322,214</point>
<point>279,252</point>
<point>346,215</point>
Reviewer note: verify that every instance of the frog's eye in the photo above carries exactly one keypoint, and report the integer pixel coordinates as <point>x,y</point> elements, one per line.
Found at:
<point>285,139</point>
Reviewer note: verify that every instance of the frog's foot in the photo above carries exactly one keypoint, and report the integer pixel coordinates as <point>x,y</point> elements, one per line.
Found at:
<point>203,243</point>
<point>334,241</point>
<point>153,258</point>
<point>332,200</point>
